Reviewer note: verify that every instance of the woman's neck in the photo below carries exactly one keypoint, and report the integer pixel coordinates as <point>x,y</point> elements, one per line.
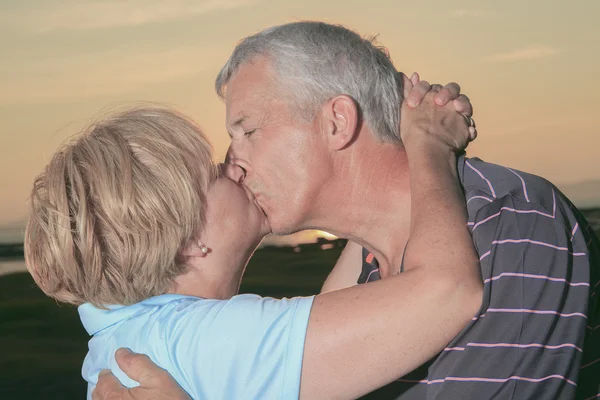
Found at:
<point>215,275</point>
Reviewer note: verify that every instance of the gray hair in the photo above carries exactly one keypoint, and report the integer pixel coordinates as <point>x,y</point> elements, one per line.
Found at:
<point>316,61</point>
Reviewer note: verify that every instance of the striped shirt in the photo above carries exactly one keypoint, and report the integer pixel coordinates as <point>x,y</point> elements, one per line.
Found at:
<point>537,335</point>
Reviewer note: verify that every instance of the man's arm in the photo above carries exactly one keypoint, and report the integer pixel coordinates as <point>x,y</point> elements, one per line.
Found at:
<point>155,383</point>
<point>346,270</point>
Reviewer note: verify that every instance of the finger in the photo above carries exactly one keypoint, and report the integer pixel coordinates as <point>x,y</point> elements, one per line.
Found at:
<point>436,87</point>
<point>108,387</point>
<point>407,85</point>
<point>418,93</point>
<point>471,127</point>
<point>463,105</point>
<point>414,78</point>
<point>450,92</point>
<point>140,368</point>
<point>472,133</point>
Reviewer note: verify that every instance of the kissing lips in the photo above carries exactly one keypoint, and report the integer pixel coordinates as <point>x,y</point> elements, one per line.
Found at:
<point>254,199</point>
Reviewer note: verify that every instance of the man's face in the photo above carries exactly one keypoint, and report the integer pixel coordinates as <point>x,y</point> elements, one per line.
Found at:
<point>285,160</point>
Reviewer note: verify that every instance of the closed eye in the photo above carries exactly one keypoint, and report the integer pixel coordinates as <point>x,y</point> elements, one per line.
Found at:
<point>248,133</point>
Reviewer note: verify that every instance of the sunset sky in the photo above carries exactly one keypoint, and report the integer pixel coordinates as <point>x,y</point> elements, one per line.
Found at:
<point>530,68</point>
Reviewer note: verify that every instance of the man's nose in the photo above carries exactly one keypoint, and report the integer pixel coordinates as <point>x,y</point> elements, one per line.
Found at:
<point>233,172</point>
<point>235,156</point>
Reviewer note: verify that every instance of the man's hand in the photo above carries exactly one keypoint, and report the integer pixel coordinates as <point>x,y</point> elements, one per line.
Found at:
<point>155,382</point>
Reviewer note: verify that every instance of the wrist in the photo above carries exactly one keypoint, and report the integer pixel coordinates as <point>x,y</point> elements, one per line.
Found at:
<point>431,160</point>
<point>429,147</point>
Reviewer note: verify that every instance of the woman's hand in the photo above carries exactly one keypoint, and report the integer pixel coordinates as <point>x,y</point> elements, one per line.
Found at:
<point>415,90</point>
<point>432,125</point>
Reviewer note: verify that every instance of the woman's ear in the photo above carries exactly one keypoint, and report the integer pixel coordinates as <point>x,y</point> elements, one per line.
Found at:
<point>195,248</point>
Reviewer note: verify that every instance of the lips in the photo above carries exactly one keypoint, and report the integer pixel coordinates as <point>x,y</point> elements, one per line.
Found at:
<point>248,192</point>
<point>257,201</point>
<point>254,198</point>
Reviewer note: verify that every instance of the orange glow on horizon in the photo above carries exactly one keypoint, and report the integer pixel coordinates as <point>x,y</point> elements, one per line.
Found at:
<point>325,235</point>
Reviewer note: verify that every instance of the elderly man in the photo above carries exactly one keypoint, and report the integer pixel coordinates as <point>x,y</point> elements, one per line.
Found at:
<point>287,88</point>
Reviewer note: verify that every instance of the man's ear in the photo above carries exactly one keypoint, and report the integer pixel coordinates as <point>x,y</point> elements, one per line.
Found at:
<point>341,121</point>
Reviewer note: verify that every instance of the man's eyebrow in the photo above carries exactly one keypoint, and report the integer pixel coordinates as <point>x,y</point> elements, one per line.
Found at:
<point>236,123</point>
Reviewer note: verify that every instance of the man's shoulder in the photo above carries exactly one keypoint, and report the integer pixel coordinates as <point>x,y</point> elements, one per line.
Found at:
<point>488,185</point>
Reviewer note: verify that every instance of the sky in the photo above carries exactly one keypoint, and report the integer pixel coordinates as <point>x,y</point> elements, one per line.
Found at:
<point>530,69</point>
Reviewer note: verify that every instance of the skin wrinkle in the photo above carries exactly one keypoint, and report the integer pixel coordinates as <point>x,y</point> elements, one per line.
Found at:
<point>275,127</point>
<point>394,237</point>
<point>377,174</point>
<point>267,120</point>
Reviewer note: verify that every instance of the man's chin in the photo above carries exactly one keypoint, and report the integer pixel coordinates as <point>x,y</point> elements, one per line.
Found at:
<point>280,226</point>
<point>266,228</point>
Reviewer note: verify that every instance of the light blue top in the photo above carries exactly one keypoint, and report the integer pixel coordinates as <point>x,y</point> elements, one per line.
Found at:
<point>247,347</point>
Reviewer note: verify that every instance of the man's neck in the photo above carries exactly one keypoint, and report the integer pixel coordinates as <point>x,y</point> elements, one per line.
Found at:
<point>368,200</point>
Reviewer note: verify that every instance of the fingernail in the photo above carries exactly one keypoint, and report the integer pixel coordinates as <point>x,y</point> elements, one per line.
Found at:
<point>123,352</point>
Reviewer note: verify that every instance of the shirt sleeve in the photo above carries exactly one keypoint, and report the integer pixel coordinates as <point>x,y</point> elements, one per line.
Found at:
<point>248,347</point>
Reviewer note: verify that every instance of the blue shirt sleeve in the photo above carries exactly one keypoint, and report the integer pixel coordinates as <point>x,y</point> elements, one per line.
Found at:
<point>248,347</point>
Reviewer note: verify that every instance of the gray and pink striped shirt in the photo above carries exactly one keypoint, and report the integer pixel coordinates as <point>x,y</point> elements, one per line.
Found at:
<point>537,335</point>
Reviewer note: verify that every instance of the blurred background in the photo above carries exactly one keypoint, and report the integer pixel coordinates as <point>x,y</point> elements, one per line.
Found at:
<point>529,68</point>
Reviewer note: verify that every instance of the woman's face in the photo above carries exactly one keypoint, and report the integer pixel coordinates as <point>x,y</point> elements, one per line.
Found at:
<point>233,216</point>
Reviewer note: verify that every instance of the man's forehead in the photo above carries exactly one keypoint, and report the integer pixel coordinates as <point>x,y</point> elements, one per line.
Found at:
<point>246,94</point>
<point>237,110</point>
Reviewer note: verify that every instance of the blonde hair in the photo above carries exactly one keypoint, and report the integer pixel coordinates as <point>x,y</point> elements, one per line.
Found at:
<point>113,209</point>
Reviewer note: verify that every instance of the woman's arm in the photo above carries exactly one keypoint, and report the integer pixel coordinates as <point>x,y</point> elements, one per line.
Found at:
<point>363,337</point>
<point>347,269</point>
<point>388,327</point>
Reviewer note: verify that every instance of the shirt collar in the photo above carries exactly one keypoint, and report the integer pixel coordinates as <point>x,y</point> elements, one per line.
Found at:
<point>95,319</point>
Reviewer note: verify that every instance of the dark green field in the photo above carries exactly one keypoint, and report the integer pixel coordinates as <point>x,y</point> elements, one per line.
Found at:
<point>42,344</point>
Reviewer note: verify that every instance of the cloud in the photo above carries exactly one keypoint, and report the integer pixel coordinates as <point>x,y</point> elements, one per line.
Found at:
<point>463,13</point>
<point>90,14</point>
<point>103,73</point>
<point>531,52</point>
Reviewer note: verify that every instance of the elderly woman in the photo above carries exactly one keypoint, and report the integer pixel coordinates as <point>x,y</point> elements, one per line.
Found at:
<point>134,223</point>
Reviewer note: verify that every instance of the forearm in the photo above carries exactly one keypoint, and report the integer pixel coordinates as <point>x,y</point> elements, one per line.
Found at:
<point>379,332</point>
<point>347,269</point>
<point>438,233</point>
